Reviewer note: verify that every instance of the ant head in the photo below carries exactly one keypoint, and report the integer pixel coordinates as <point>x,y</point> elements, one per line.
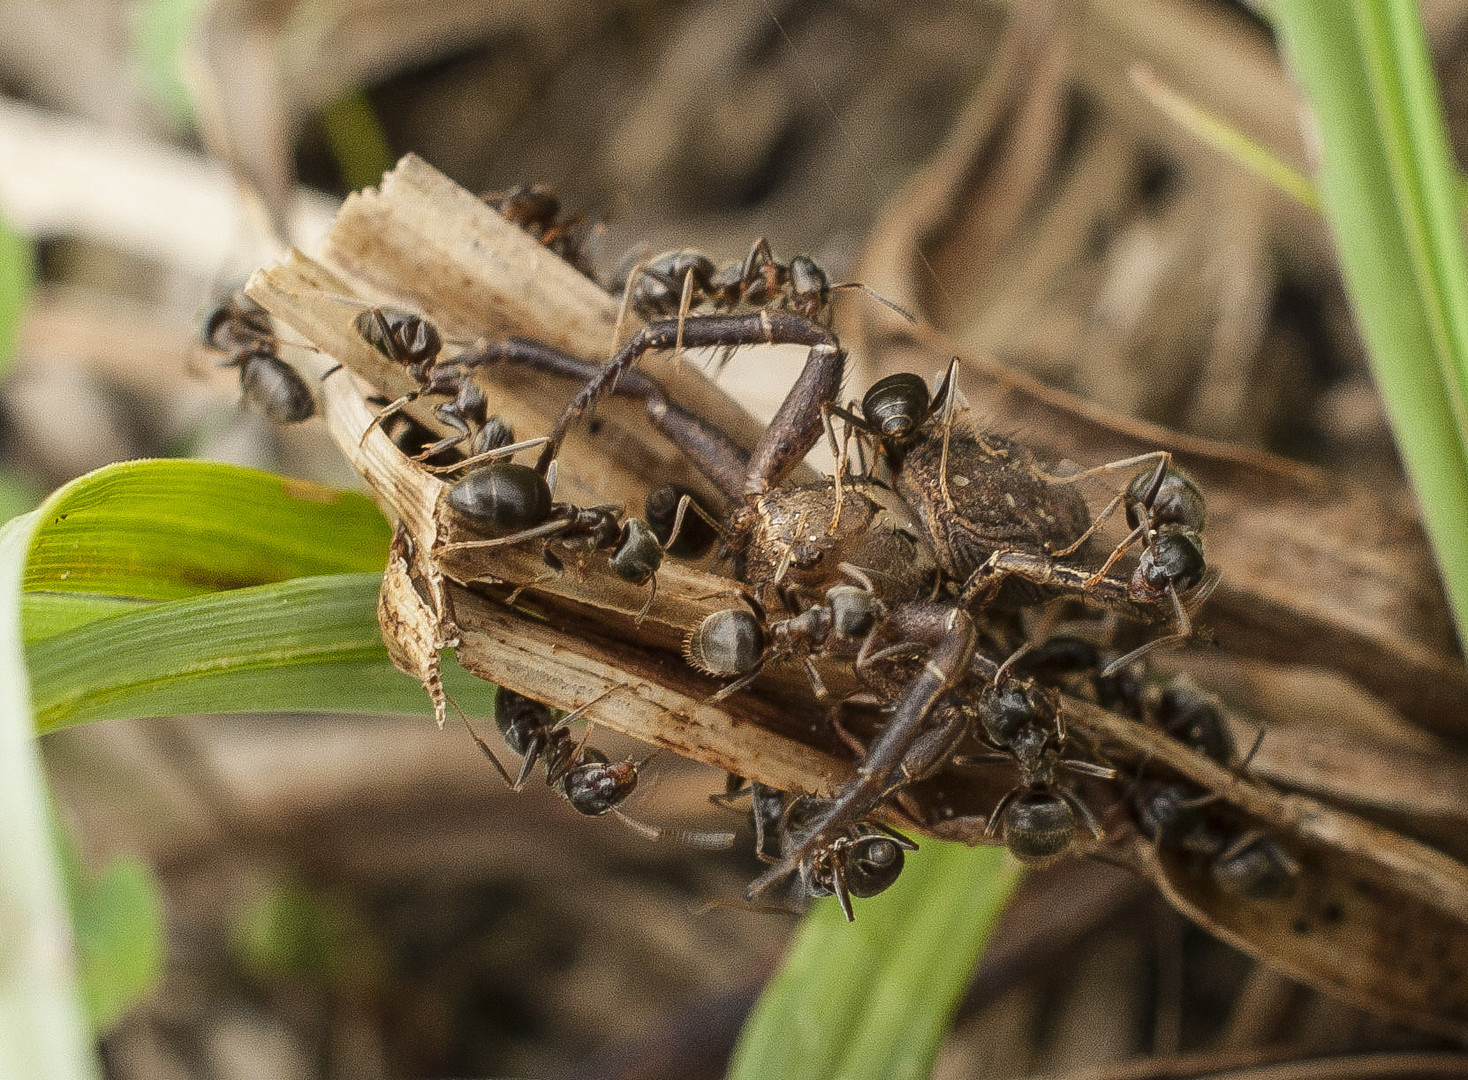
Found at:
<point>1262,870</point>
<point>1038,827</point>
<point>596,785</point>
<point>854,610</point>
<point>1174,560</point>
<point>897,406</point>
<point>1192,717</point>
<point>526,206</point>
<point>494,433</point>
<point>728,642</point>
<point>1168,814</point>
<point>503,498</point>
<point>638,554</point>
<point>810,289</point>
<point>1007,708</point>
<point>401,336</point>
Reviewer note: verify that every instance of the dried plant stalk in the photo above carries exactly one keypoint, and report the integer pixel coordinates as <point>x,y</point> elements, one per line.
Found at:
<point>1379,919</point>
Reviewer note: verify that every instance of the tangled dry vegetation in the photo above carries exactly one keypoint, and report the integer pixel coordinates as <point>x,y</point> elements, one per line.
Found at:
<point>1111,287</point>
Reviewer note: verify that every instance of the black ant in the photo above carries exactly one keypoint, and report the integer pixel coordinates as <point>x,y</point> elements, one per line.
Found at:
<point>736,643</point>
<point>1175,814</point>
<point>241,329</point>
<point>581,774</point>
<point>678,282</point>
<point>1038,819</point>
<point>512,503</point>
<point>860,860</point>
<point>536,209</point>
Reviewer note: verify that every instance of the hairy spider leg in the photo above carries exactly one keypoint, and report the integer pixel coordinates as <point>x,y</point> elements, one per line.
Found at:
<point>952,638</point>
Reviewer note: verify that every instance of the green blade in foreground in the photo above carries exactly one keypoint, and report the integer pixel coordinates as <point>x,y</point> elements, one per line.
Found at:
<point>874,998</point>
<point>1388,187</point>
<point>308,645</point>
<point>43,1029</point>
<point>145,531</point>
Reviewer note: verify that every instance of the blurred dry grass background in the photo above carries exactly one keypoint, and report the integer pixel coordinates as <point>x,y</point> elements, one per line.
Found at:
<point>437,925</point>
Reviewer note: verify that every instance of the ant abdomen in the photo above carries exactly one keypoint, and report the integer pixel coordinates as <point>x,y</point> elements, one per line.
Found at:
<point>1038,827</point>
<point>502,498</point>
<point>727,643</point>
<point>276,389</point>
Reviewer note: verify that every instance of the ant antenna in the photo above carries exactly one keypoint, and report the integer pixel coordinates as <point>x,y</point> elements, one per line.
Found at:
<point>878,297</point>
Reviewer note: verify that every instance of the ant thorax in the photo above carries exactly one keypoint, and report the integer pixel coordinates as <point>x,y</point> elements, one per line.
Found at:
<point>791,539</point>
<point>998,496</point>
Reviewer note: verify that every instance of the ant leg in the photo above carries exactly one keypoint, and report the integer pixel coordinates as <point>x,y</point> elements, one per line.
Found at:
<point>1162,457</point>
<point>953,638</point>
<point>838,887</point>
<point>1083,812</point>
<point>709,449</point>
<point>757,270</point>
<point>1181,634</point>
<point>511,784</point>
<point>684,503</point>
<point>636,272</point>
<point>547,529</point>
<point>490,455</point>
<point>950,381</point>
<point>996,816</point>
<point>685,302</point>
<point>1095,526</point>
<point>386,412</point>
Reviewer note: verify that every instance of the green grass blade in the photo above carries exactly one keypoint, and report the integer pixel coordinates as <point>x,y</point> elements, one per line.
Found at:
<point>168,529</point>
<point>1225,137</point>
<point>17,277</point>
<point>155,588</point>
<point>307,645</point>
<point>1388,188</point>
<point>357,140</point>
<point>43,1028</point>
<point>874,998</point>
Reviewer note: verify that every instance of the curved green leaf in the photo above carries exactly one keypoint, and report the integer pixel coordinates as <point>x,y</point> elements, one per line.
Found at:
<point>146,531</point>
<point>307,645</point>
<point>874,998</point>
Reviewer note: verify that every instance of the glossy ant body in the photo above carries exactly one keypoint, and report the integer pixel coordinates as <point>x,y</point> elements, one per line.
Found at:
<point>1179,816</point>
<point>860,860</point>
<point>1175,814</point>
<point>241,329</point>
<point>580,774</point>
<point>677,282</point>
